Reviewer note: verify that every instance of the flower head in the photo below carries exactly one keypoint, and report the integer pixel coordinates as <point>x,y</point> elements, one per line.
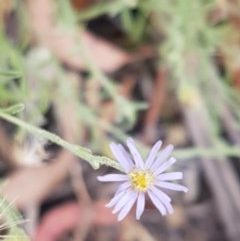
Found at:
<point>142,179</point>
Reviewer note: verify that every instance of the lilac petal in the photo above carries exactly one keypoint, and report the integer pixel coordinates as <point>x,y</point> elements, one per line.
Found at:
<point>158,204</point>
<point>169,207</point>
<point>153,154</point>
<point>163,199</point>
<point>123,186</point>
<point>170,176</point>
<point>115,199</point>
<point>172,186</point>
<point>162,157</point>
<point>127,207</point>
<point>140,205</point>
<point>164,166</point>
<point>113,178</point>
<point>123,201</point>
<point>135,154</point>
<point>120,156</point>
<point>126,154</point>
<point>121,190</point>
<point>162,196</point>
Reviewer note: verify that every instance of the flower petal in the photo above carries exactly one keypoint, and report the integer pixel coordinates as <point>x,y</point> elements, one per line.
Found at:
<point>171,186</point>
<point>164,166</point>
<point>169,207</point>
<point>122,187</point>
<point>158,204</point>
<point>126,154</point>
<point>127,207</point>
<point>170,176</point>
<point>140,205</point>
<point>113,178</point>
<point>164,198</point>
<point>162,195</point>
<point>124,200</point>
<point>121,157</point>
<point>115,199</point>
<point>135,154</point>
<point>153,154</point>
<point>162,157</point>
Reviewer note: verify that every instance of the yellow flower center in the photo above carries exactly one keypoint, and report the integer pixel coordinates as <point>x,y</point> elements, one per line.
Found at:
<point>141,180</point>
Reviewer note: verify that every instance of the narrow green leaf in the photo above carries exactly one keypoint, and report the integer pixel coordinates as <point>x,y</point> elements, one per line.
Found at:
<point>14,109</point>
<point>10,74</point>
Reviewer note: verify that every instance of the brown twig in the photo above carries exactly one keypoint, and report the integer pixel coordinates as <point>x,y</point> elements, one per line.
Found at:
<point>155,107</point>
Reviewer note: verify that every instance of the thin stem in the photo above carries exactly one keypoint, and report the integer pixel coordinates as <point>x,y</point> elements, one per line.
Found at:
<point>101,9</point>
<point>95,71</point>
<point>213,152</point>
<point>79,151</point>
<point>95,160</point>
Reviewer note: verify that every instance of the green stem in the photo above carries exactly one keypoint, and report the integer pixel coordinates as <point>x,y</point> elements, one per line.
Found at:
<point>214,152</point>
<point>79,151</point>
<point>11,219</point>
<point>97,10</point>
<point>96,72</point>
<point>96,161</point>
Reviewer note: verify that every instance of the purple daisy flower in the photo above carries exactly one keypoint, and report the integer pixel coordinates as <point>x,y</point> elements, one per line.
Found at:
<point>142,179</point>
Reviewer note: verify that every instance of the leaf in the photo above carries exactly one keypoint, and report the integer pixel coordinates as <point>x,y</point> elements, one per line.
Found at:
<point>14,109</point>
<point>10,74</point>
<point>11,218</point>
